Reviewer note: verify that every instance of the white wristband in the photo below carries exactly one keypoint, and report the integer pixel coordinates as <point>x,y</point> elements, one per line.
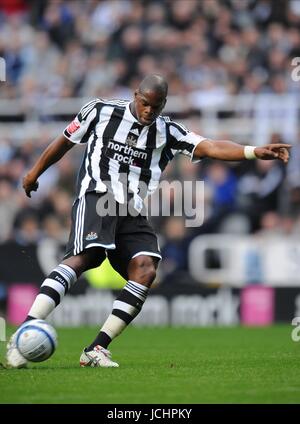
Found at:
<point>249,152</point>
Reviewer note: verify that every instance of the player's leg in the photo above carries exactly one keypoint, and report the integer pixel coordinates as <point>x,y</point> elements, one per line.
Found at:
<point>89,237</point>
<point>52,291</point>
<point>136,258</point>
<point>85,250</point>
<point>61,279</point>
<point>141,273</point>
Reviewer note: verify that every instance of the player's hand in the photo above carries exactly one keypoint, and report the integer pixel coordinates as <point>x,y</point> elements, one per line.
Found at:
<point>29,184</point>
<point>273,151</point>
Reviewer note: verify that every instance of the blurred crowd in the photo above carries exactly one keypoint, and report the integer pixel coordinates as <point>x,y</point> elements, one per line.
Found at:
<point>208,48</point>
<point>69,48</point>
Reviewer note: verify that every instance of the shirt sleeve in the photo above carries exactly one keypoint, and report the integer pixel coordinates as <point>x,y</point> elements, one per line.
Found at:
<point>184,141</point>
<point>78,131</point>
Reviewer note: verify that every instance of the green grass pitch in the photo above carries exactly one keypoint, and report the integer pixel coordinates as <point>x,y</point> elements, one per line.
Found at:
<point>166,365</point>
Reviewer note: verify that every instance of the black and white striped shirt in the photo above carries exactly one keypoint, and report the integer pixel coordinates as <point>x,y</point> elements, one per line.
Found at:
<point>122,155</point>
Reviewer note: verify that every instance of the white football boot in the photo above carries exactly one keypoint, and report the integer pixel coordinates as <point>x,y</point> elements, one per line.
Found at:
<point>14,359</point>
<point>98,357</point>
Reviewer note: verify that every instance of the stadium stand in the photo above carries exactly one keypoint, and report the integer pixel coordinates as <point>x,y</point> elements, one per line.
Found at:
<point>229,66</point>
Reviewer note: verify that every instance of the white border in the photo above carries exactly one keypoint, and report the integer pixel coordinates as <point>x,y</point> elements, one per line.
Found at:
<point>146,253</point>
<point>106,246</point>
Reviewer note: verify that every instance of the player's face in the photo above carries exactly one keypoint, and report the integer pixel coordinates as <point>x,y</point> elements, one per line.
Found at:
<point>148,106</point>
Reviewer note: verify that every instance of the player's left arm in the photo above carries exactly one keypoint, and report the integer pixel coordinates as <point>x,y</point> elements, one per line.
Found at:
<point>228,150</point>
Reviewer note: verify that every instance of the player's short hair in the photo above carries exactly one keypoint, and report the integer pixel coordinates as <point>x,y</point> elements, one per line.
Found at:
<point>154,82</point>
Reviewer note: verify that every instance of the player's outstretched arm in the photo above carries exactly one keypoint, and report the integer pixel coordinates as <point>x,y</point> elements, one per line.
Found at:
<point>228,150</point>
<point>55,151</point>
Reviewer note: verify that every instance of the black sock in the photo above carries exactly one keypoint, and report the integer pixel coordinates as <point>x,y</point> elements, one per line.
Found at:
<point>102,339</point>
<point>28,318</point>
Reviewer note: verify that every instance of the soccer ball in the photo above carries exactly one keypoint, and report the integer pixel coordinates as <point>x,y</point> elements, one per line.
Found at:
<point>36,340</point>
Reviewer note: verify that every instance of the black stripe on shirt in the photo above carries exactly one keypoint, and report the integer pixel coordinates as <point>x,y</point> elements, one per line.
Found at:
<point>146,172</point>
<point>109,133</point>
<point>179,127</point>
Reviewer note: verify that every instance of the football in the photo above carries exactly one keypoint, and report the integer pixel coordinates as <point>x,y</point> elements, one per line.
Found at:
<point>36,340</point>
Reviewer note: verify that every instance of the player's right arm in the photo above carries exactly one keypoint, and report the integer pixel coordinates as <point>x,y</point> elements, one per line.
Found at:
<point>52,154</point>
<point>77,132</point>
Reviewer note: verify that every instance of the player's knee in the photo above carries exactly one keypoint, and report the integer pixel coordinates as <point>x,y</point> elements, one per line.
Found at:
<point>142,269</point>
<point>149,275</point>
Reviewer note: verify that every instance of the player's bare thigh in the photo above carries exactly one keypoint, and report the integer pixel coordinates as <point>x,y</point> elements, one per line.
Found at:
<point>89,258</point>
